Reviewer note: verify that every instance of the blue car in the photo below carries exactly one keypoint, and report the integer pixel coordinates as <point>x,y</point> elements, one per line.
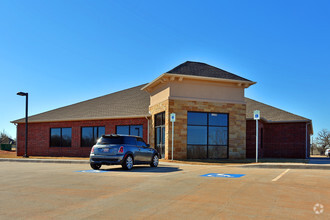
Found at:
<point>124,150</point>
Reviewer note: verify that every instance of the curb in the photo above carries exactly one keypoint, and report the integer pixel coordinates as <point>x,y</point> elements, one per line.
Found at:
<point>270,166</point>
<point>45,161</point>
<point>291,166</point>
<point>260,165</point>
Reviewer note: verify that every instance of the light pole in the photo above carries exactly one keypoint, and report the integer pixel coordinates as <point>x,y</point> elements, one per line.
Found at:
<point>26,120</point>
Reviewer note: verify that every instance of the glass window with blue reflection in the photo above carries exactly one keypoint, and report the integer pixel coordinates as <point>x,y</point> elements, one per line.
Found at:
<point>100,132</point>
<point>66,137</point>
<point>197,135</point>
<point>136,130</point>
<point>122,129</point>
<point>197,118</point>
<point>60,137</point>
<point>217,136</point>
<point>206,130</point>
<point>89,135</point>
<point>55,137</point>
<point>217,119</point>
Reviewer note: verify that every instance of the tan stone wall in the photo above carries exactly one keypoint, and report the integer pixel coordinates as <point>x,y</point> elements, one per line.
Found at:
<point>205,91</point>
<point>155,109</point>
<point>159,95</point>
<point>237,125</point>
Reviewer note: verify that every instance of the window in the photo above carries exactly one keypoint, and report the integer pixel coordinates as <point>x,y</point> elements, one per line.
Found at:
<point>136,130</point>
<point>197,118</point>
<point>197,135</point>
<point>160,133</point>
<point>160,119</point>
<point>122,130</point>
<point>89,135</point>
<point>207,135</point>
<point>60,137</point>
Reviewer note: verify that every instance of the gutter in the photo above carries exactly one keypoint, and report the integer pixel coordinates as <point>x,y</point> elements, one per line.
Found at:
<point>77,119</point>
<point>285,121</point>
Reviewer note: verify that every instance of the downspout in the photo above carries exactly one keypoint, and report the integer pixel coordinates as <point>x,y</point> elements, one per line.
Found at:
<point>16,137</point>
<point>148,129</point>
<point>306,139</point>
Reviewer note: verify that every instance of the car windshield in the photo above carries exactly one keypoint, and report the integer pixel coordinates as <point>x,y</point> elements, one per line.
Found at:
<point>116,140</point>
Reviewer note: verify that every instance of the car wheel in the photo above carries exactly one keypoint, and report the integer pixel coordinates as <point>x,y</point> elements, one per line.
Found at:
<point>95,166</point>
<point>154,161</point>
<point>128,163</point>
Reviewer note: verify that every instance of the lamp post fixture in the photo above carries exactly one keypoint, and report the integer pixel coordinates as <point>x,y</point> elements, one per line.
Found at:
<point>26,120</point>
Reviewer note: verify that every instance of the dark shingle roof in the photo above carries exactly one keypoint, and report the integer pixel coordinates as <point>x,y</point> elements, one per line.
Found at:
<point>134,102</point>
<point>270,113</point>
<point>204,70</point>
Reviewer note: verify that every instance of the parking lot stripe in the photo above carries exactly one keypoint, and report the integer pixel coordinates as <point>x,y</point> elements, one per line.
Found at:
<point>279,176</point>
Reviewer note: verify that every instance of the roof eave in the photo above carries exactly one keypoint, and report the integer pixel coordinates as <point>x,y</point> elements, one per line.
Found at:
<point>283,121</point>
<point>244,83</point>
<point>81,119</point>
<point>152,82</point>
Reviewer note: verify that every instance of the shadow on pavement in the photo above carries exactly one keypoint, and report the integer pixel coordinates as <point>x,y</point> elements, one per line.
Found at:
<point>143,169</point>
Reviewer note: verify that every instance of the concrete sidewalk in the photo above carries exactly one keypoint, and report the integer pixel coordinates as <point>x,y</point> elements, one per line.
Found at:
<point>185,163</point>
<point>288,166</point>
<point>28,160</point>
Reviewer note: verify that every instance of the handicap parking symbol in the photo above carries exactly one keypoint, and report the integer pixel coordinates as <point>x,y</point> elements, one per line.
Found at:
<point>223,175</point>
<point>91,171</point>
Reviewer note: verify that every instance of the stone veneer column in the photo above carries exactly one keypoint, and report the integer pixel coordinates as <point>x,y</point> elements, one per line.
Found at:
<point>155,109</point>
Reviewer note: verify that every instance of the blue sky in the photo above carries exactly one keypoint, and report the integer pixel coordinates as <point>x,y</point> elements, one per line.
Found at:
<point>63,52</point>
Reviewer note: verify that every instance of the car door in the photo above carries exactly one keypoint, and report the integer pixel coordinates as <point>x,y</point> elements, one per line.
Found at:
<point>133,147</point>
<point>146,151</point>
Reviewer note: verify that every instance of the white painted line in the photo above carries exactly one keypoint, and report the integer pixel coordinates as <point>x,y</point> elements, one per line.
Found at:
<point>279,176</point>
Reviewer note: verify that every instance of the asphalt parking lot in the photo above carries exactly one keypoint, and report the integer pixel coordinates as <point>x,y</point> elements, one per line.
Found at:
<point>170,191</point>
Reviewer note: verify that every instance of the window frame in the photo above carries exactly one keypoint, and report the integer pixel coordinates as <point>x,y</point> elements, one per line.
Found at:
<point>207,130</point>
<point>81,135</point>
<point>61,137</point>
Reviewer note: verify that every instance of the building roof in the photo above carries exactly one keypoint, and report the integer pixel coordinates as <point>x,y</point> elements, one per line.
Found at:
<point>202,69</point>
<point>134,102</point>
<point>6,140</point>
<point>270,113</point>
<point>198,71</point>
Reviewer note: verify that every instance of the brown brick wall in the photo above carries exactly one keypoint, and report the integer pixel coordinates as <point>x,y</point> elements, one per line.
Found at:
<point>251,138</point>
<point>39,136</point>
<point>237,125</point>
<point>281,140</point>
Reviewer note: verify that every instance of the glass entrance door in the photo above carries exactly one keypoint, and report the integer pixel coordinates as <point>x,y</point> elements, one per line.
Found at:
<point>160,140</point>
<point>160,133</point>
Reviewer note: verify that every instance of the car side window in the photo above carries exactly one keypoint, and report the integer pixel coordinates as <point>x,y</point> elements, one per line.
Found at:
<point>130,140</point>
<point>141,143</point>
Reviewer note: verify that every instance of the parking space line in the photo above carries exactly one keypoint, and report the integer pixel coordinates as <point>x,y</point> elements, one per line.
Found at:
<point>279,176</point>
